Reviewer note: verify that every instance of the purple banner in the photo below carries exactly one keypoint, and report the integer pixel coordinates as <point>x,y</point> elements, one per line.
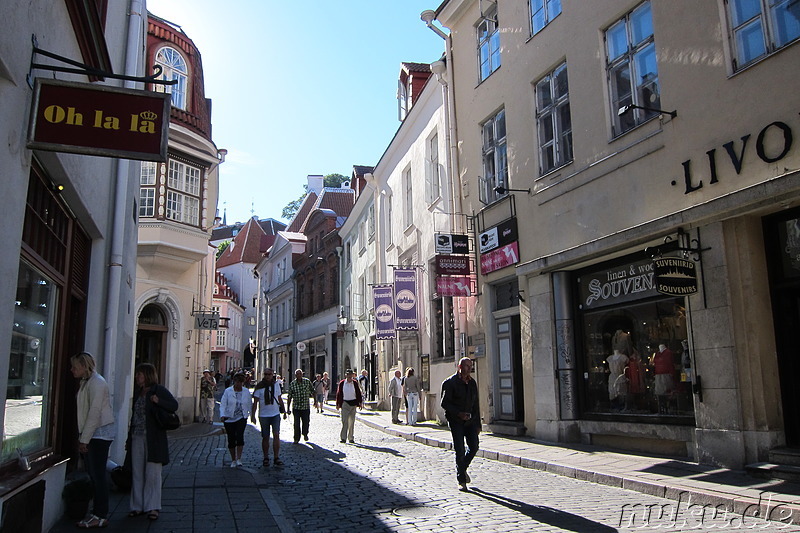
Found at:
<point>405,299</point>
<point>383,298</point>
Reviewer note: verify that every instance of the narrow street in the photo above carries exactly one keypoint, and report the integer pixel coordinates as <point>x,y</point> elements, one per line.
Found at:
<point>386,483</point>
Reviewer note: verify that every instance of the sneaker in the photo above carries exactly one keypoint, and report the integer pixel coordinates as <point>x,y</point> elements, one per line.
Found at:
<point>239,462</point>
<point>233,464</point>
<point>352,441</point>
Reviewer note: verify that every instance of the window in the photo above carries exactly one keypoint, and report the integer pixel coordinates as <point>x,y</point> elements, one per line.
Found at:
<point>495,162</point>
<point>408,213</point>
<point>402,99</point>
<point>221,338</point>
<point>432,180</point>
<point>173,68</point>
<point>389,237</point>
<point>183,202</point>
<point>553,120</point>
<point>631,68</point>
<point>347,255</point>
<point>371,222</point>
<point>488,43</point>
<point>542,12</point>
<point>760,27</point>
<point>147,195</point>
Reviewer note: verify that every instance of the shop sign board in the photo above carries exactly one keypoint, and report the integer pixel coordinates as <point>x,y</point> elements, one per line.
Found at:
<point>500,235</point>
<point>447,243</point>
<point>675,276</point>
<point>455,265</point>
<point>623,283</point>
<point>206,321</point>
<point>383,300</point>
<point>453,286</point>
<point>83,118</point>
<point>500,258</point>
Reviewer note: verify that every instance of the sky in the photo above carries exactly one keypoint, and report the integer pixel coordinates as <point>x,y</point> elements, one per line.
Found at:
<point>298,88</point>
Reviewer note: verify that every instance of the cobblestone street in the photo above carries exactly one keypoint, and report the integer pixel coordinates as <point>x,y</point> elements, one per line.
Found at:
<point>386,483</point>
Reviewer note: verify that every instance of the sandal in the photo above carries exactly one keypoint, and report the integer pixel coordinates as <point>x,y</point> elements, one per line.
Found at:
<point>265,463</point>
<point>153,515</point>
<point>278,462</point>
<point>92,521</point>
<point>135,513</point>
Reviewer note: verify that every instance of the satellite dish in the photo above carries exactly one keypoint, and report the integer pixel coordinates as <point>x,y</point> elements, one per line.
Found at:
<point>301,346</point>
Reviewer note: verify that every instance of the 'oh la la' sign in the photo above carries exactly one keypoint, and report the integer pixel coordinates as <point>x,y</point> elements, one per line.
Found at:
<point>83,118</point>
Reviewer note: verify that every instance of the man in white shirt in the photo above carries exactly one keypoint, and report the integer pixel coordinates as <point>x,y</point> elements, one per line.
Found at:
<point>348,398</point>
<point>396,394</point>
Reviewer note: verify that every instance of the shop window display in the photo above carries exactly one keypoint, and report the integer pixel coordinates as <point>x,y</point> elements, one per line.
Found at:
<point>637,360</point>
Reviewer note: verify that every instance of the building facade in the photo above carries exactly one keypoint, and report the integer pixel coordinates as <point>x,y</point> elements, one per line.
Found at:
<point>226,341</point>
<point>582,124</point>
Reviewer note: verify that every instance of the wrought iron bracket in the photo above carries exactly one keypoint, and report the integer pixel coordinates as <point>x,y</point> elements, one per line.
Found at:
<point>686,245</point>
<point>82,68</point>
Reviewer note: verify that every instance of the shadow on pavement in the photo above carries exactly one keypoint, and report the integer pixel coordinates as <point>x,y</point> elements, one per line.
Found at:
<point>547,515</point>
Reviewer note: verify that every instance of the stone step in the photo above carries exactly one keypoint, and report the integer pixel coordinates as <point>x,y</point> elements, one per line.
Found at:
<point>785,456</point>
<point>774,471</point>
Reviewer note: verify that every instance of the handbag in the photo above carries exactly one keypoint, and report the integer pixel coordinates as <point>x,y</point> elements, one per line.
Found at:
<point>167,420</point>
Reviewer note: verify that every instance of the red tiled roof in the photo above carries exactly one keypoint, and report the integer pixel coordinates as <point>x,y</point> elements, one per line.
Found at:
<point>340,201</point>
<point>300,216</point>
<point>245,247</point>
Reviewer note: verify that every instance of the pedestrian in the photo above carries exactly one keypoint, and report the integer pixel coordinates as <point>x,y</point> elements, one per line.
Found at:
<point>462,411</point>
<point>268,403</point>
<point>396,394</point>
<point>319,393</point>
<point>300,390</point>
<point>234,408</point>
<point>348,398</point>
<point>96,431</point>
<point>279,381</point>
<point>326,384</point>
<point>411,390</point>
<point>147,441</point>
<point>363,382</point>
<point>208,386</point>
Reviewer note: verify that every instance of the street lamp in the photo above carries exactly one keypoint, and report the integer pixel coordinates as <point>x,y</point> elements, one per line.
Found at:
<point>503,190</point>
<point>624,109</point>
<point>343,322</point>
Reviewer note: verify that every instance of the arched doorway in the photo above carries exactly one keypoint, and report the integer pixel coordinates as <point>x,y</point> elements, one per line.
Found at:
<point>151,334</point>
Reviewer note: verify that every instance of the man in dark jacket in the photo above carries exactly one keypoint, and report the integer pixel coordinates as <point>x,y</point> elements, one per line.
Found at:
<point>462,410</point>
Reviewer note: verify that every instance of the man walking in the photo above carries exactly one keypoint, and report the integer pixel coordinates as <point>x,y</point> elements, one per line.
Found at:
<point>300,390</point>
<point>396,394</point>
<point>462,410</point>
<point>348,398</point>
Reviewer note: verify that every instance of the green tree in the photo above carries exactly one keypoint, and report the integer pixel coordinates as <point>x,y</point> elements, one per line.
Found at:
<point>329,180</point>
<point>222,247</point>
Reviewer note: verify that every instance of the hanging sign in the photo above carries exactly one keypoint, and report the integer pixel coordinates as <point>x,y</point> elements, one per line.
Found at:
<point>383,300</point>
<point>453,286</point>
<point>206,321</point>
<point>405,299</point>
<point>447,243</point>
<point>453,265</point>
<point>500,258</point>
<point>675,276</point>
<point>83,118</point>
<point>500,235</point>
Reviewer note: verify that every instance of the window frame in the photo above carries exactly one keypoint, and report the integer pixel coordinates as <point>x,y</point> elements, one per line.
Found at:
<point>767,20</point>
<point>183,192</point>
<point>494,155</point>
<point>487,35</point>
<point>171,71</point>
<point>549,14</point>
<point>408,198</point>
<point>561,136</point>
<point>433,178</point>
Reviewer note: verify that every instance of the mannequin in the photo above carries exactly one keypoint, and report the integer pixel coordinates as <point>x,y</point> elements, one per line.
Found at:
<point>664,367</point>
<point>617,382</point>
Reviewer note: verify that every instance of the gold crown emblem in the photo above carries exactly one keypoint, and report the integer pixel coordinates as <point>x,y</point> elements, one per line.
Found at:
<point>148,115</point>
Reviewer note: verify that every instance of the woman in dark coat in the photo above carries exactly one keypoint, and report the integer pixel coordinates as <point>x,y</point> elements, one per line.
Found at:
<point>147,442</point>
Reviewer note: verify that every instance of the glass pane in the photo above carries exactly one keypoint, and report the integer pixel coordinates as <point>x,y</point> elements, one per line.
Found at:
<point>31,353</point>
<point>561,86</point>
<point>621,85</point>
<point>494,44</point>
<point>553,9</point>
<point>548,157</point>
<point>786,19</point>
<point>544,98</point>
<point>500,126</point>
<point>647,77</point>
<point>750,42</point>
<point>488,135</point>
<point>538,21</point>
<point>502,166</point>
<point>546,129</point>
<point>616,40</point>
<point>744,10</point>
<point>566,147</point>
<point>641,24</point>
<point>564,118</point>
<point>504,355</point>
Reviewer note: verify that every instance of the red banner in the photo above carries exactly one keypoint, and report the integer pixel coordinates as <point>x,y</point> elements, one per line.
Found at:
<point>453,286</point>
<point>500,258</point>
<point>82,118</point>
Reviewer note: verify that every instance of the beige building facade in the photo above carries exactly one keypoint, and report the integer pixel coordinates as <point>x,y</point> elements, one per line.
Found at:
<point>658,144</point>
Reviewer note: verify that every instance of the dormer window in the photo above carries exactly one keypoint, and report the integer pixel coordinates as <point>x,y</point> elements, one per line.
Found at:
<point>402,98</point>
<point>173,68</point>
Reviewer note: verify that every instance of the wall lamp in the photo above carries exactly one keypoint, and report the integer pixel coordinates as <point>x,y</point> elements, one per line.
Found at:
<point>624,109</point>
<point>343,319</point>
<point>503,190</point>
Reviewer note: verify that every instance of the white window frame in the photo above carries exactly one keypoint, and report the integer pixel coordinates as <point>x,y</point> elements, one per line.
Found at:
<point>408,198</point>
<point>432,170</point>
<point>495,158</point>
<point>402,99</point>
<point>767,26</point>
<point>553,120</point>
<point>488,37</point>
<point>183,190</point>
<point>542,13</point>
<point>636,56</point>
<point>174,67</point>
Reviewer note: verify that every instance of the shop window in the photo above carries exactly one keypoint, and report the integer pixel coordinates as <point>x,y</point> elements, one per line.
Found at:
<point>636,360</point>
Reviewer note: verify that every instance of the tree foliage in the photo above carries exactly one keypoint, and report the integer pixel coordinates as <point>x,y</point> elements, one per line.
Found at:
<point>222,247</point>
<point>329,180</point>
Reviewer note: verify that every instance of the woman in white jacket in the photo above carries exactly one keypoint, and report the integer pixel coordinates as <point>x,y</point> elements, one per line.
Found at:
<point>95,433</point>
<point>234,409</point>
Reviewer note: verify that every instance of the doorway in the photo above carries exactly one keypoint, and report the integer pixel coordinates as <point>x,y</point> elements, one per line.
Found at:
<point>151,334</point>
<point>782,239</point>
<point>509,369</point>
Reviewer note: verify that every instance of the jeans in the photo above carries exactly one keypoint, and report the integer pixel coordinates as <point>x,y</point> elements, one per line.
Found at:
<point>95,460</point>
<point>463,432</point>
<point>413,407</point>
<point>301,416</point>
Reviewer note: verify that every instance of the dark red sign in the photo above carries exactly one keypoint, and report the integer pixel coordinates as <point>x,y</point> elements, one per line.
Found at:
<point>452,264</point>
<point>82,118</point>
<point>500,258</point>
<point>453,286</point>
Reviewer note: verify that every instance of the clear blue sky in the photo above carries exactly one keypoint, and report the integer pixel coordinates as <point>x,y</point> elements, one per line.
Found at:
<point>301,87</point>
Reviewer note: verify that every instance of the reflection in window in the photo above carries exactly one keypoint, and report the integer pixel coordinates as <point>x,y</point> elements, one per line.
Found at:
<point>26,413</point>
<point>553,120</point>
<point>488,44</point>
<point>759,28</point>
<point>542,12</point>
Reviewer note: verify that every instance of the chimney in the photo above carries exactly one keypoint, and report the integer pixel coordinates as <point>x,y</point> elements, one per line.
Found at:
<point>315,183</point>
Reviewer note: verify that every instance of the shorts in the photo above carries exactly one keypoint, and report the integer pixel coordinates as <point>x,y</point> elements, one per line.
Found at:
<point>320,398</point>
<point>268,422</point>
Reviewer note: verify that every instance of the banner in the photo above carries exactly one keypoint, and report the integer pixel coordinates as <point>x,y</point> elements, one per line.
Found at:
<point>383,299</point>
<point>405,304</point>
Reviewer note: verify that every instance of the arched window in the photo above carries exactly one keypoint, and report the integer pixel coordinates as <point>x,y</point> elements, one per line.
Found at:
<point>174,68</point>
